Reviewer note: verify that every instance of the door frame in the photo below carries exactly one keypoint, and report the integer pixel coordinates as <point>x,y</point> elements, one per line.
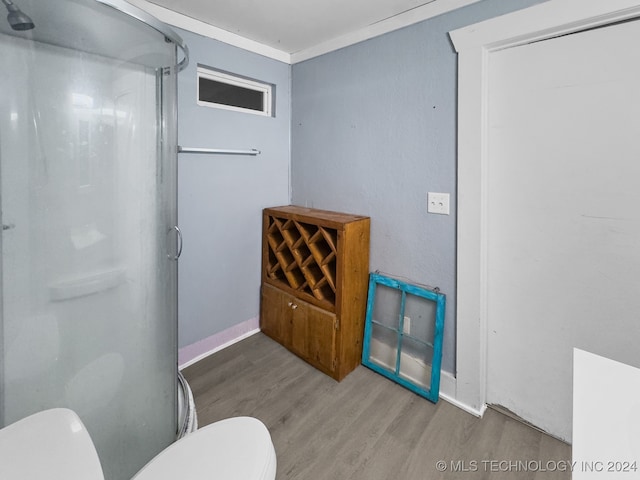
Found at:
<point>474,45</point>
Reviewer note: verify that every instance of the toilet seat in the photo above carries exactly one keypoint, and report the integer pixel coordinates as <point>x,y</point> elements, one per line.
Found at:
<point>54,444</point>
<point>238,448</point>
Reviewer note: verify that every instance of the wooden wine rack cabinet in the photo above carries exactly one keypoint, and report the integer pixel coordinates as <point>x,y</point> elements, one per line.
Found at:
<point>315,267</point>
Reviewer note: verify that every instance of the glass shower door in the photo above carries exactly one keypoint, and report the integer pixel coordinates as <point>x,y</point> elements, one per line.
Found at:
<point>89,274</point>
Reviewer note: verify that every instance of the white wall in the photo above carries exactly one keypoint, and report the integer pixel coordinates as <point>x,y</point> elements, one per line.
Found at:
<point>571,181</point>
<point>563,222</point>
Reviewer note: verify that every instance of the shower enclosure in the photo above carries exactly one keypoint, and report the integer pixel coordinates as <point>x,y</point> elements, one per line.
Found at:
<point>88,208</point>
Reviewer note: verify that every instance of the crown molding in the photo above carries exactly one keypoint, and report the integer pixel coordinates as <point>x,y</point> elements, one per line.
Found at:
<point>196,26</point>
<point>404,19</point>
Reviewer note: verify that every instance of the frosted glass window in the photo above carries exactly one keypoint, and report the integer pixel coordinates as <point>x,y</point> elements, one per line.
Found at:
<point>222,90</point>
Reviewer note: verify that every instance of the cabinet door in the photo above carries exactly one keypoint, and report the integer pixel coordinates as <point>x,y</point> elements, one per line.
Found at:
<point>306,330</point>
<point>321,338</point>
<point>275,314</point>
<point>299,327</point>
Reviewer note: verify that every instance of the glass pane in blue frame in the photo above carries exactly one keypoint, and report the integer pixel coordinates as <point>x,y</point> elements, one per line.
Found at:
<point>383,347</point>
<point>386,308</point>
<point>415,362</point>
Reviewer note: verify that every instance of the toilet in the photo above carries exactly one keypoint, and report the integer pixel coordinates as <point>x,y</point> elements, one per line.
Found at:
<point>55,444</point>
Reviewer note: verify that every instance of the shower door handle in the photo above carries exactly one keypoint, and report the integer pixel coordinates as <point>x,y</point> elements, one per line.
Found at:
<point>179,252</point>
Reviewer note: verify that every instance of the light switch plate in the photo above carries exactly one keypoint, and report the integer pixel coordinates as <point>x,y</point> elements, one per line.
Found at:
<point>438,203</point>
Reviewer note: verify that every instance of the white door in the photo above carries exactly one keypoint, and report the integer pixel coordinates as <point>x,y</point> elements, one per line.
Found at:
<point>563,223</point>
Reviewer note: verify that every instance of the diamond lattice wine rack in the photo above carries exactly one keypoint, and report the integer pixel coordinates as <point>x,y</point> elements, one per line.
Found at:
<point>303,256</point>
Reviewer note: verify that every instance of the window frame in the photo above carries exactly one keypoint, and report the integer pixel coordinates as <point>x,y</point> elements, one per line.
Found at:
<point>432,393</point>
<point>230,79</point>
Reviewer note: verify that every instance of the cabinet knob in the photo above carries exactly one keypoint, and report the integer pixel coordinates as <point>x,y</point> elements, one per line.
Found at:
<point>294,306</point>
<point>290,304</point>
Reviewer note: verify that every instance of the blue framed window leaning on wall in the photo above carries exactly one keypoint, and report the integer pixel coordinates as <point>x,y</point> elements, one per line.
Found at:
<point>403,334</point>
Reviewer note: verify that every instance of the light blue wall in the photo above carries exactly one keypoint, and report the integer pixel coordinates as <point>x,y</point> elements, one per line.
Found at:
<point>374,129</point>
<point>220,198</point>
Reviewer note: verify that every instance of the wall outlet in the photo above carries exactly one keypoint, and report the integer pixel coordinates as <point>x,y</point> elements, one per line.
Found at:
<point>438,203</point>
<point>406,326</point>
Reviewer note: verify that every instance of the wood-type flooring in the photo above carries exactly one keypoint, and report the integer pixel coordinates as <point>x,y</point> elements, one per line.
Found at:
<point>365,427</point>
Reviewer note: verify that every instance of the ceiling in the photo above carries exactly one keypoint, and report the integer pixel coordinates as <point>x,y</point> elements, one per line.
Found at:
<point>294,26</point>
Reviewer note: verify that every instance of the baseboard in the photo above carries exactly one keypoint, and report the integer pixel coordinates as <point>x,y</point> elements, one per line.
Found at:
<point>203,348</point>
<point>448,383</point>
<point>449,398</point>
<point>197,351</point>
